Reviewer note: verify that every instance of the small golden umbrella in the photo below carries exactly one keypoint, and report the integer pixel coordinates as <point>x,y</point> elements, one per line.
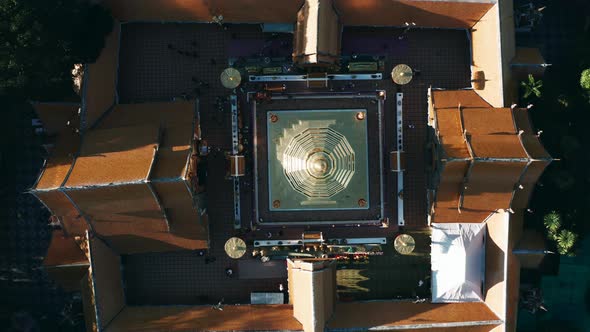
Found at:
<point>231,78</point>
<point>235,247</point>
<point>402,74</point>
<point>404,244</point>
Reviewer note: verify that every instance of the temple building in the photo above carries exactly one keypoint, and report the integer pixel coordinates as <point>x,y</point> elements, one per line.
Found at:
<point>309,165</point>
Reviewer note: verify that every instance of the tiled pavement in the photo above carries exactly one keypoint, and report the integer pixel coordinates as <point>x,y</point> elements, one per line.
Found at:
<point>151,70</point>
<point>390,276</point>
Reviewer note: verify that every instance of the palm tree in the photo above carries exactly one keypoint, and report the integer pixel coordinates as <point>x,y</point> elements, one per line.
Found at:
<point>552,222</point>
<point>565,242</point>
<point>585,79</point>
<point>532,86</point>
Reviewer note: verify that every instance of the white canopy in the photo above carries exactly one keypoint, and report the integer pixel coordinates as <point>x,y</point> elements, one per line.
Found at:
<point>457,262</point>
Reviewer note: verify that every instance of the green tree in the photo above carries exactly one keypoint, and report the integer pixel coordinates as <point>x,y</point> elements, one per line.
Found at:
<point>585,79</point>
<point>532,87</point>
<point>41,41</point>
<point>552,222</point>
<point>566,240</point>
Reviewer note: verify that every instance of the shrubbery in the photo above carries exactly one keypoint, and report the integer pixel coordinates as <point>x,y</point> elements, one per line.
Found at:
<point>585,79</point>
<point>532,87</point>
<point>564,239</point>
<point>42,40</point>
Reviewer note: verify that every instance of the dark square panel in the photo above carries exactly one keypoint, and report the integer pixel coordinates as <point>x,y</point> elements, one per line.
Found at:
<point>368,180</point>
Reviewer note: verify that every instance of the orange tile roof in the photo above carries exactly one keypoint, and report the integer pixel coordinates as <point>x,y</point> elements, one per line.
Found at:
<point>204,318</point>
<point>65,261</point>
<point>490,185</point>
<point>447,196</point>
<point>173,153</point>
<point>513,273</point>
<point>112,156</point>
<point>446,14</point>
<point>449,126</point>
<point>527,182</point>
<point>106,281</point>
<point>61,207</point>
<point>482,169</point>
<point>176,120</point>
<point>237,11</point>
<point>448,121</point>
<point>440,14</point>
<point>164,114</point>
<point>59,163</point>
<point>63,250</point>
<point>443,99</point>
<point>142,242</point>
<point>382,314</point>
<point>184,219</point>
<point>533,147</point>
<point>454,147</point>
<point>522,120</point>
<point>488,121</point>
<point>88,303</point>
<point>497,146</point>
<point>100,79</point>
<point>109,185</point>
<point>118,210</point>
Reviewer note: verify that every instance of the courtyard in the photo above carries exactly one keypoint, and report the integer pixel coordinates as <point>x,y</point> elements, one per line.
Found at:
<point>159,62</point>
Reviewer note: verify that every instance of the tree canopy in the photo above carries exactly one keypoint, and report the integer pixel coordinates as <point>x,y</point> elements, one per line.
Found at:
<point>42,40</point>
<point>585,79</point>
<point>532,87</point>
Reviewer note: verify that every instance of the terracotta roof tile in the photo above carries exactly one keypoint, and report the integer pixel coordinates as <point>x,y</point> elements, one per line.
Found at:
<point>453,98</point>
<point>173,153</point>
<point>449,215</point>
<point>490,185</point>
<point>448,121</point>
<point>58,165</point>
<point>204,318</point>
<point>528,182</point>
<point>488,121</point>
<point>499,156</point>
<point>144,242</point>
<point>185,220</point>
<point>522,120</point>
<point>106,281</point>
<point>120,210</point>
<point>62,207</point>
<point>115,156</point>
<point>119,152</point>
<point>438,14</point>
<point>534,148</point>
<point>63,250</point>
<point>497,146</point>
<point>254,11</point>
<point>454,146</point>
<point>177,121</point>
<point>388,314</point>
<point>88,303</point>
<point>452,176</point>
<point>165,114</point>
<point>99,89</point>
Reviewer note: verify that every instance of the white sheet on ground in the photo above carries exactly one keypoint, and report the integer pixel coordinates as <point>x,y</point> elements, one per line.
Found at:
<point>457,262</point>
